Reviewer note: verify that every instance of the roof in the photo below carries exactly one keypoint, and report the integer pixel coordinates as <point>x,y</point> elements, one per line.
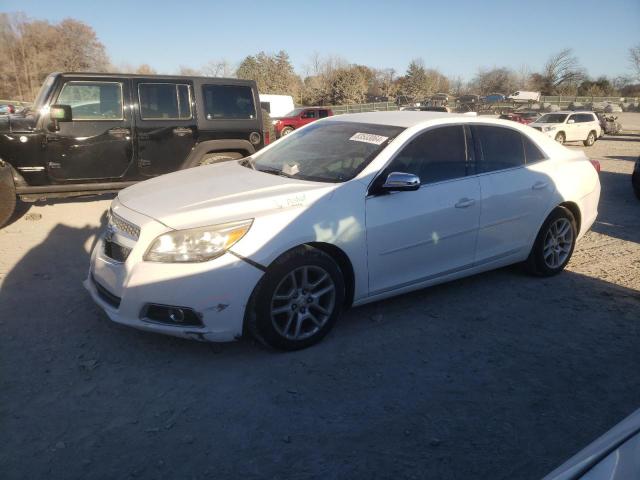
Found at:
<point>567,112</point>
<point>138,75</point>
<point>402,118</point>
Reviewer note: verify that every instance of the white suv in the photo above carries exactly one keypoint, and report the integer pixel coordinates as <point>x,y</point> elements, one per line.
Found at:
<point>570,127</point>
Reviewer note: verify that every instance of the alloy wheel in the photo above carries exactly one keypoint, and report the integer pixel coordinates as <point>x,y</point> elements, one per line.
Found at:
<point>303,302</point>
<point>557,243</point>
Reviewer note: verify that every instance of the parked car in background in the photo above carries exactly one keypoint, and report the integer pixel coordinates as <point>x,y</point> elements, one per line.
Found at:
<point>276,105</point>
<point>348,210</point>
<point>570,126</point>
<point>635,178</point>
<point>434,108</point>
<point>494,98</point>
<point>524,96</point>
<point>468,99</point>
<point>299,117</point>
<point>514,117</point>
<point>613,456</point>
<point>97,132</point>
<point>7,108</point>
<point>528,117</point>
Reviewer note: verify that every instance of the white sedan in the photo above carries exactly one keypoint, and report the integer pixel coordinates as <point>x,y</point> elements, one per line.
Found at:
<point>347,210</point>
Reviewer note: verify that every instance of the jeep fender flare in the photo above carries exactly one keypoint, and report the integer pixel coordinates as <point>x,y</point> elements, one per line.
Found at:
<point>210,146</point>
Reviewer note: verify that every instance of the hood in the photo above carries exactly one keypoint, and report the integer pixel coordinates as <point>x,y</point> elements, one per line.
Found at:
<point>17,123</point>
<point>218,193</point>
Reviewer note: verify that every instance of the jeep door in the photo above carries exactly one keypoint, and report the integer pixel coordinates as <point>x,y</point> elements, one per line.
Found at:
<point>165,124</point>
<point>97,143</point>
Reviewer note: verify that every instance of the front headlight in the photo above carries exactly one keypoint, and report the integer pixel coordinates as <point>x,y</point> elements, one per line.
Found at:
<point>196,244</point>
<point>548,129</point>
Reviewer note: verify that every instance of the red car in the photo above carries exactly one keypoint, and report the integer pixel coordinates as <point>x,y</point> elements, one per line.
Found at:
<point>298,118</point>
<point>521,117</point>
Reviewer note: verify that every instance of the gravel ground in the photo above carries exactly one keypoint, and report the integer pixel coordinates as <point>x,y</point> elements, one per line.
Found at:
<point>496,376</point>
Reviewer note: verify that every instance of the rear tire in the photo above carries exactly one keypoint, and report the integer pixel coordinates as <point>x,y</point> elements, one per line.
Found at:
<point>8,197</point>
<point>217,157</point>
<point>560,138</point>
<point>286,131</point>
<point>591,139</point>
<point>297,301</point>
<point>554,244</point>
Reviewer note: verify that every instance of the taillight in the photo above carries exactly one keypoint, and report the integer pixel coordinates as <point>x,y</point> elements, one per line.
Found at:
<point>266,138</point>
<point>596,165</point>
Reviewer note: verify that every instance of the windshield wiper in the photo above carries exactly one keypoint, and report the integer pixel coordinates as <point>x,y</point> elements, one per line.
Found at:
<point>274,171</point>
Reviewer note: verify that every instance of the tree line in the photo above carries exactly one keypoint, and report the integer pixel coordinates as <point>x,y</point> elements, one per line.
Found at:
<point>31,49</point>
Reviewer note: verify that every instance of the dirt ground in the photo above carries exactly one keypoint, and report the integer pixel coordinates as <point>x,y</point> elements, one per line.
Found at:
<point>496,376</point>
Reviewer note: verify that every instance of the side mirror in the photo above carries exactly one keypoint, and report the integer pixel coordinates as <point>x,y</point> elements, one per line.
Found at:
<point>571,121</point>
<point>401,182</point>
<point>60,113</point>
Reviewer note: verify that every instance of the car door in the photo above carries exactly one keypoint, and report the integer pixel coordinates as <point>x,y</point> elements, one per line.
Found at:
<point>574,128</point>
<point>419,235</point>
<point>516,191</point>
<point>165,124</point>
<point>97,143</point>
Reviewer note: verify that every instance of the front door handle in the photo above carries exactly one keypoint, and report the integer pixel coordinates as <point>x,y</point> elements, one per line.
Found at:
<point>181,132</point>
<point>465,202</point>
<point>539,185</point>
<point>52,138</point>
<point>119,132</point>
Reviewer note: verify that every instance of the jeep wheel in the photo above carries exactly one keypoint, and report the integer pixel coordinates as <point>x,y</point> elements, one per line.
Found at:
<point>286,131</point>
<point>560,138</point>
<point>7,196</point>
<point>218,157</point>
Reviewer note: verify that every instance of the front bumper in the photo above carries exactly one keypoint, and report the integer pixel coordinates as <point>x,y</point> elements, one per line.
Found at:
<point>217,290</point>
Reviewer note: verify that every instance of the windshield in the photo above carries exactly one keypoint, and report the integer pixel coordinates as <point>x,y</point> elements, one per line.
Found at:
<point>294,113</point>
<point>552,118</point>
<point>326,151</point>
<point>43,93</point>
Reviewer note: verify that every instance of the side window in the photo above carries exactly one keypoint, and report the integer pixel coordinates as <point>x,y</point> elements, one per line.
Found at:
<point>323,113</point>
<point>531,151</point>
<point>164,101</point>
<point>434,156</point>
<point>309,114</point>
<point>93,100</point>
<point>501,148</point>
<point>266,106</point>
<point>572,117</point>
<point>228,102</point>
<point>585,118</point>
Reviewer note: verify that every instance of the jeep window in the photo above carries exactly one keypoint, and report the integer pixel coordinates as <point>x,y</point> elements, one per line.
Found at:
<point>93,100</point>
<point>228,102</point>
<point>164,101</point>
<point>552,118</point>
<point>330,151</point>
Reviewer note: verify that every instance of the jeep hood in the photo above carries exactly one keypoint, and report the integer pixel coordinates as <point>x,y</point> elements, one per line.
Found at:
<point>219,193</point>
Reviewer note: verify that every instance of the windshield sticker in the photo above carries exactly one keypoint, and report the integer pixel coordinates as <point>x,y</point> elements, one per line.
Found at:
<point>369,138</point>
<point>290,169</point>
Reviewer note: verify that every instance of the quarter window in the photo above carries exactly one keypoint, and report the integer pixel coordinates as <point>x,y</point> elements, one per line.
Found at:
<point>531,151</point>
<point>228,101</point>
<point>93,100</point>
<point>501,148</point>
<point>323,113</point>
<point>164,101</point>
<point>435,155</point>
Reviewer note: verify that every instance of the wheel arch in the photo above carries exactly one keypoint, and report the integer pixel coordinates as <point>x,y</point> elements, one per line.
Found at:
<point>212,146</point>
<point>344,262</point>
<point>575,210</point>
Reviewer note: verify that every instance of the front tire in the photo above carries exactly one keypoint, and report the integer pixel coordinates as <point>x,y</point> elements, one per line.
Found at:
<point>8,198</point>
<point>286,131</point>
<point>591,139</point>
<point>554,244</point>
<point>297,301</point>
<point>217,157</point>
<point>561,138</point>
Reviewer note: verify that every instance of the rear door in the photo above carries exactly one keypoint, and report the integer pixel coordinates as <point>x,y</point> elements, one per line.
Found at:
<point>97,144</point>
<point>166,128</point>
<point>516,191</point>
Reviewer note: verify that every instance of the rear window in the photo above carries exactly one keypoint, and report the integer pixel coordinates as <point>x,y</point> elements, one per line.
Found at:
<point>228,102</point>
<point>164,101</point>
<point>501,148</point>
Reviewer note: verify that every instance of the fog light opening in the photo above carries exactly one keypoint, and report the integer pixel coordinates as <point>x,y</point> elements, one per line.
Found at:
<point>171,315</point>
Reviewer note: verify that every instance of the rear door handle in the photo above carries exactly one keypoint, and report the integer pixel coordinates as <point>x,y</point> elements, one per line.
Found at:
<point>465,202</point>
<point>539,185</point>
<point>117,132</point>
<point>181,132</point>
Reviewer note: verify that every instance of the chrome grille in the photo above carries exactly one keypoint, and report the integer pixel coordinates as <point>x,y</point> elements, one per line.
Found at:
<point>118,223</point>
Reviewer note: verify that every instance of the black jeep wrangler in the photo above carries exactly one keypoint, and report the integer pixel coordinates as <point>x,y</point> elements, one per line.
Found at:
<point>90,133</point>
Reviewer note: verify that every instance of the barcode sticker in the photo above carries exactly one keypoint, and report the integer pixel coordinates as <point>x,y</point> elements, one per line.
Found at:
<point>369,138</point>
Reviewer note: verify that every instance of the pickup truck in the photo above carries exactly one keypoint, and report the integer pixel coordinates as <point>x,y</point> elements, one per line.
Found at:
<point>91,133</point>
<point>299,117</point>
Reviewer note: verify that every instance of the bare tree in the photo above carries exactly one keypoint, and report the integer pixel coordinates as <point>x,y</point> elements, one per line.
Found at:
<point>145,69</point>
<point>219,68</point>
<point>634,57</point>
<point>495,80</point>
<point>561,74</point>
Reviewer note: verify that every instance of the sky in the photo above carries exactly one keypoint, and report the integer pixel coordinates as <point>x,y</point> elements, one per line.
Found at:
<point>457,37</point>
